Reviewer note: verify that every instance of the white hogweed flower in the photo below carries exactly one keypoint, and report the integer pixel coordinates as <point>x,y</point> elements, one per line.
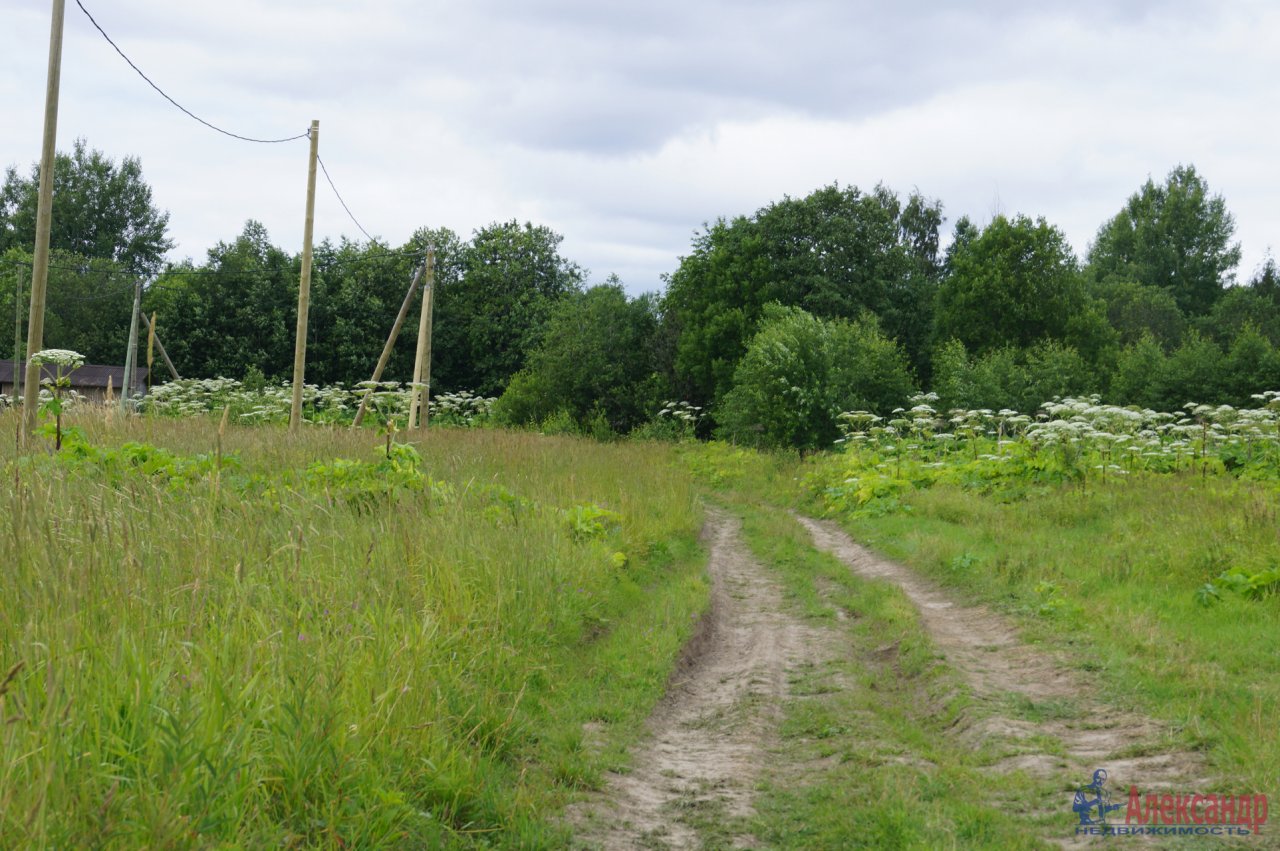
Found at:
<point>59,357</point>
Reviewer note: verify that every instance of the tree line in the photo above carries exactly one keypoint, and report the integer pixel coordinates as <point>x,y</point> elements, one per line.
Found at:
<point>773,322</point>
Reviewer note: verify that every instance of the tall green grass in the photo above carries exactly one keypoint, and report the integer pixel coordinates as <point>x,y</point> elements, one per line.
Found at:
<point>242,657</point>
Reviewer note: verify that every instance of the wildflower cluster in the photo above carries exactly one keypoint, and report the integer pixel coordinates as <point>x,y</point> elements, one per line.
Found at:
<point>334,403</point>
<point>71,398</point>
<point>65,359</point>
<point>1069,440</point>
<point>463,408</point>
<point>57,389</point>
<point>676,421</point>
<point>682,412</point>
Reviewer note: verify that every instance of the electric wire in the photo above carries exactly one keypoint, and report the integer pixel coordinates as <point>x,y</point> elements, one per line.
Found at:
<point>104,275</point>
<point>212,126</point>
<point>174,102</point>
<point>339,197</point>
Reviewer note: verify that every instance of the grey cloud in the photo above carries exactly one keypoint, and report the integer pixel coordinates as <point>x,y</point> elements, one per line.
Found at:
<point>616,79</point>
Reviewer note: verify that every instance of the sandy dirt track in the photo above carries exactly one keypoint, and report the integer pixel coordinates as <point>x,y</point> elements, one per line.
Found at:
<point>715,729</point>
<point>711,733</point>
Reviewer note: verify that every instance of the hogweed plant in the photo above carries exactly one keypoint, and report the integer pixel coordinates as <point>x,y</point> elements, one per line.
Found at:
<point>462,408</point>
<point>64,362</point>
<point>677,422</point>
<point>252,403</point>
<point>1070,440</point>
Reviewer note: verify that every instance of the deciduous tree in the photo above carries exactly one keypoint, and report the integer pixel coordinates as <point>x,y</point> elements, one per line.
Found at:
<point>491,317</point>
<point>801,372</point>
<point>837,253</point>
<point>101,211</point>
<point>596,358</point>
<point>1175,235</point>
<point>1016,283</point>
<point>235,312</point>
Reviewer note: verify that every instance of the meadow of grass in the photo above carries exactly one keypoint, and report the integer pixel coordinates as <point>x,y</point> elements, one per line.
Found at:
<point>360,639</point>
<point>257,640</point>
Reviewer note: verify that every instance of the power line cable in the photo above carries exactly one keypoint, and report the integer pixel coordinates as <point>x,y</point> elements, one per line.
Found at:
<point>365,258</point>
<point>339,196</point>
<point>174,102</point>
<point>211,126</point>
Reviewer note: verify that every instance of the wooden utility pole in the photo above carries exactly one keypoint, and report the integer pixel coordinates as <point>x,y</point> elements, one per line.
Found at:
<point>17,338</point>
<point>164,356</point>
<point>151,347</point>
<point>391,341</point>
<point>127,390</point>
<point>44,218</point>
<point>304,285</point>
<point>420,397</point>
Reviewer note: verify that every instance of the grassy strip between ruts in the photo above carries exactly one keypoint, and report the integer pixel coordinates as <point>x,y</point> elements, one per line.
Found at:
<point>295,647</point>
<point>866,756</point>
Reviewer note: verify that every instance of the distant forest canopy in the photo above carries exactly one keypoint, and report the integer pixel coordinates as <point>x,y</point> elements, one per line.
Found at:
<point>843,298</point>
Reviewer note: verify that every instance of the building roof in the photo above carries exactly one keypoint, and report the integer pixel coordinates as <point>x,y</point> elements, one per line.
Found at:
<point>87,376</point>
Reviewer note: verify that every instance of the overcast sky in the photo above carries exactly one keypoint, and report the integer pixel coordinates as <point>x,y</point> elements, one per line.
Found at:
<point>625,126</point>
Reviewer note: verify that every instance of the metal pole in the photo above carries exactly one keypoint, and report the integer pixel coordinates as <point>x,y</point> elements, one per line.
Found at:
<point>304,285</point>
<point>44,220</point>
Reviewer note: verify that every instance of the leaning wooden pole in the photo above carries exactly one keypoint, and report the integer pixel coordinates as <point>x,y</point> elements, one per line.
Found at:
<point>164,356</point>
<point>420,396</point>
<point>44,219</point>
<point>304,285</point>
<point>391,341</point>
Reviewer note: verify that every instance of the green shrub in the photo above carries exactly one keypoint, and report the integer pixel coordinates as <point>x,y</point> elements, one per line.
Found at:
<point>801,372</point>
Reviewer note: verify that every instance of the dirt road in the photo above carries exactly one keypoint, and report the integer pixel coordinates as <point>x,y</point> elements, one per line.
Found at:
<point>709,736</point>
<point>715,730</point>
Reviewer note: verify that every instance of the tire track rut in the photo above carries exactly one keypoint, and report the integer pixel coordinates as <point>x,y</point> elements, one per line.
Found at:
<point>711,735</point>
